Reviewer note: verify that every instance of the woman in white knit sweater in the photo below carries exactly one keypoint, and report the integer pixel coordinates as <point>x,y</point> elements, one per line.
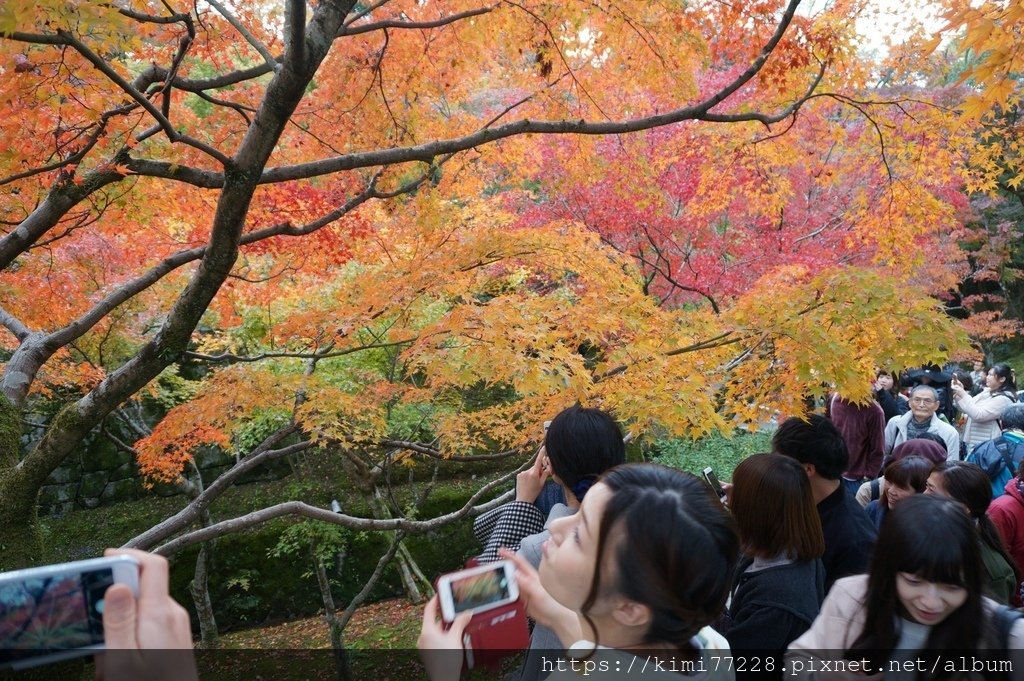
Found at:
<point>984,409</point>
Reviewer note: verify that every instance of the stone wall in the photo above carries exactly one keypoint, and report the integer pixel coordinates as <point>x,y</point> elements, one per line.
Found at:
<point>102,473</point>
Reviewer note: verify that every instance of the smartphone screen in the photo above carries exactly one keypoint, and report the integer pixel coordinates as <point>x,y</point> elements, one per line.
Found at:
<point>50,613</point>
<point>480,590</point>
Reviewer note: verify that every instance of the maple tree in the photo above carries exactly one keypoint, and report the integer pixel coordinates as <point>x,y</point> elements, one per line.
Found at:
<point>725,210</point>
<point>981,51</point>
<point>328,166</point>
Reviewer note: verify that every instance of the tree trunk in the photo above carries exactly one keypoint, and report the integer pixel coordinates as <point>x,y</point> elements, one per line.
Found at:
<point>334,625</point>
<point>21,543</point>
<point>200,589</point>
<point>407,566</point>
<point>19,485</point>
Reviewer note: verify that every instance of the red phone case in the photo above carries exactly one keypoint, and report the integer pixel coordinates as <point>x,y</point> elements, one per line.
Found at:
<point>495,634</point>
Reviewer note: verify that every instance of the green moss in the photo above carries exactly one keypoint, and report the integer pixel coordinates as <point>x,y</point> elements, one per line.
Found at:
<point>10,432</point>
<point>66,419</point>
<point>20,541</point>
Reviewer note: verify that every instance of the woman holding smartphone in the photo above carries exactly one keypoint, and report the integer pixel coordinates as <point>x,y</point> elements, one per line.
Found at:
<point>984,410</point>
<point>638,573</point>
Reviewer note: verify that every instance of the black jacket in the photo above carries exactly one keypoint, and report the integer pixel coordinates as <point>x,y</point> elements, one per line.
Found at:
<point>772,607</point>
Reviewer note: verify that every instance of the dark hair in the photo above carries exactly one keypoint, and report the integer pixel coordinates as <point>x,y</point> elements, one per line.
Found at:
<point>967,483</point>
<point>674,549</point>
<point>895,389</point>
<point>965,379</point>
<point>1013,417</point>
<point>932,538</point>
<point>1004,372</point>
<point>774,508</point>
<point>910,471</point>
<point>582,444</point>
<point>815,441</point>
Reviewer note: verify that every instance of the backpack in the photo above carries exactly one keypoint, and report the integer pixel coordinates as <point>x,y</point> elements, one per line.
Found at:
<point>1004,618</point>
<point>999,459</point>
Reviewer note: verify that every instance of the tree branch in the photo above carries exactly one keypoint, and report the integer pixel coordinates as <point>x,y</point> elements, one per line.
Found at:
<point>100,128</point>
<point>231,357</point>
<point>201,503</point>
<point>126,291</point>
<point>357,600</point>
<point>14,325</point>
<point>438,148</point>
<point>394,23</point>
<point>436,454</point>
<point>64,38</point>
<point>295,32</point>
<point>268,58</point>
<point>365,11</point>
<point>151,19</point>
<point>299,508</point>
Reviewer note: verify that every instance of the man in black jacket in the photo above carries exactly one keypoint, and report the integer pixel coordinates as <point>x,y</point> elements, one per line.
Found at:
<point>849,533</point>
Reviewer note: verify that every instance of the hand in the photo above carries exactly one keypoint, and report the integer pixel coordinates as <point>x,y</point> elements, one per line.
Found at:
<point>727,488</point>
<point>154,623</point>
<point>530,482</point>
<point>540,605</point>
<point>958,389</point>
<point>441,649</point>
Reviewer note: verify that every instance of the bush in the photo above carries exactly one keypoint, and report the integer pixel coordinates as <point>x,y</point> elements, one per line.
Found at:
<point>717,451</point>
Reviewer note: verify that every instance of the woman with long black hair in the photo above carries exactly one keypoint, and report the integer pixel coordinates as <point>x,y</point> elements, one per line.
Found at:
<point>922,599</point>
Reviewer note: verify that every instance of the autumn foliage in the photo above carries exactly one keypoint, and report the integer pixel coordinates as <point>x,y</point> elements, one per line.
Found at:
<point>440,223</point>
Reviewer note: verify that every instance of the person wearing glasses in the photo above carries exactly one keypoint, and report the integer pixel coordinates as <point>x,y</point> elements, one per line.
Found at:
<point>922,418</point>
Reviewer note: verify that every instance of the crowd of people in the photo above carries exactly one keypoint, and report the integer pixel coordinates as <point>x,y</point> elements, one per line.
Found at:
<point>866,541</point>
<point>868,533</point>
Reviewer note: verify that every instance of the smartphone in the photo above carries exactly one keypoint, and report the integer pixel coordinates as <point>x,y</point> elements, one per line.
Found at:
<point>55,612</point>
<point>477,589</point>
<point>712,480</point>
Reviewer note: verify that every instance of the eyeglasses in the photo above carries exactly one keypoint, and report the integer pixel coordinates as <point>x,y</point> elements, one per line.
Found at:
<point>922,400</point>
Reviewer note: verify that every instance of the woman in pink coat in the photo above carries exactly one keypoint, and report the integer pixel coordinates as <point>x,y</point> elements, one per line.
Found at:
<point>922,598</point>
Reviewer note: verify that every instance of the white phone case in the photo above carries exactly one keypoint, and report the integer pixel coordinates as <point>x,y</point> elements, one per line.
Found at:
<point>445,595</point>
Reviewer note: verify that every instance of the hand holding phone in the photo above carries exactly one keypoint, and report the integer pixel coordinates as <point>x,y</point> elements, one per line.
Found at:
<point>490,595</point>
<point>530,482</point>
<point>149,636</point>
<point>56,612</point>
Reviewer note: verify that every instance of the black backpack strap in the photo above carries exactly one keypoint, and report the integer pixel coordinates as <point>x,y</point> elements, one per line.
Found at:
<point>875,491</point>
